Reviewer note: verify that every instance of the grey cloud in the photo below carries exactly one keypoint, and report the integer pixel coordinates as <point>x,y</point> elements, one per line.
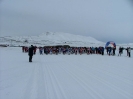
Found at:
<point>103,20</point>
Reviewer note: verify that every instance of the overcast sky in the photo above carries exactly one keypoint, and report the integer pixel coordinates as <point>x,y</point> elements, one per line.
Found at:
<point>104,20</point>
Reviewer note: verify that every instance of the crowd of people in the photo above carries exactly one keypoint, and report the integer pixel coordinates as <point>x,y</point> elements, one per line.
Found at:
<point>66,50</point>
<point>73,50</point>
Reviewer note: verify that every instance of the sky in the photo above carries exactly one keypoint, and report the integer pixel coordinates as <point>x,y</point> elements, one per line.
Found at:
<point>105,20</point>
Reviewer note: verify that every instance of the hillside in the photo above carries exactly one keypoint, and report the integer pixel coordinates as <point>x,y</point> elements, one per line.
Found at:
<point>51,38</point>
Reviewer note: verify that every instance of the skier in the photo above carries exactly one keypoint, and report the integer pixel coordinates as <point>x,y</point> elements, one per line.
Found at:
<point>23,48</point>
<point>30,53</point>
<point>129,52</point>
<point>109,50</point>
<point>41,50</point>
<point>102,49</point>
<point>35,48</point>
<point>114,51</point>
<point>120,51</point>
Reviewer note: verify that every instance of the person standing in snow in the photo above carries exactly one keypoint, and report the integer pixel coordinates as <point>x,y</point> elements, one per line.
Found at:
<point>120,51</point>
<point>41,51</point>
<point>129,52</point>
<point>109,50</point>
<point>31,52</point>
<point>23,48</point>
<point>35,48</point>
<point>114,51</point>
<point>102,49</point>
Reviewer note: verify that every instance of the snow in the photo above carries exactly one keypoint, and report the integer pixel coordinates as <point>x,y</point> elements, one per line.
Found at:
<point>64,76</point>
<point>56,38</point>
<point>51,38</point>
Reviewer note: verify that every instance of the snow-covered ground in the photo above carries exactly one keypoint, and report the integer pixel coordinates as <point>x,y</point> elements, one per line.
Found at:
<point>65,76</point>
<point>51,38</point>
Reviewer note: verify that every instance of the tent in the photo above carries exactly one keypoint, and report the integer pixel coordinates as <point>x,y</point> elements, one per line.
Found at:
<point>110,44</point>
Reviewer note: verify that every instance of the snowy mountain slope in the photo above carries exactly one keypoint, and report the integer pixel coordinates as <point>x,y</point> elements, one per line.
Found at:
<point>51,38</point>
<point>67,37</point>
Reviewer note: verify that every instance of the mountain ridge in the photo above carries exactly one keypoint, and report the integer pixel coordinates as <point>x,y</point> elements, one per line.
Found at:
<point>51,38</point>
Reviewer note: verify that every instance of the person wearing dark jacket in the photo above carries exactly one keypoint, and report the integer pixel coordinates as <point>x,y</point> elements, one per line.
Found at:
<point>120,51</point>
<point>31,52</point>
<point>129,52</point>
<point>114,50</point>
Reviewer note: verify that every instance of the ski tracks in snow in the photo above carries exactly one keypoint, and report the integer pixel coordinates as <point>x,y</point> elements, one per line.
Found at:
<point>66,77</point>
<point>81,81</point>
<point>36,87</point>
<point>45,81</point>
<point>81,78</point>
<point>58,92</point>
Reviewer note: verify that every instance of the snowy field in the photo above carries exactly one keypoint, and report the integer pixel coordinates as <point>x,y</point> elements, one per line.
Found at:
<point>65,76</point>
